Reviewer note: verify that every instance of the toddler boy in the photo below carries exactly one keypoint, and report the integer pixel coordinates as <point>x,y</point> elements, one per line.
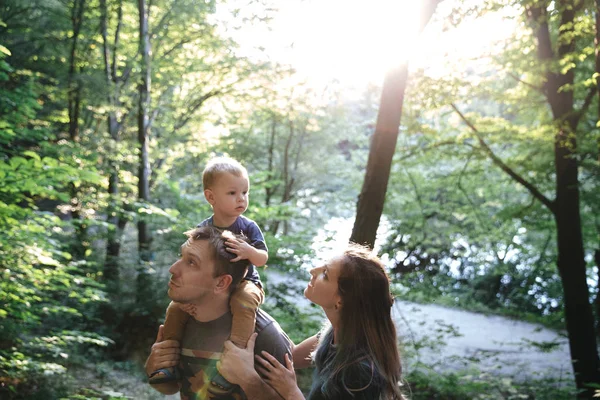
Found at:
<point>226,187</point>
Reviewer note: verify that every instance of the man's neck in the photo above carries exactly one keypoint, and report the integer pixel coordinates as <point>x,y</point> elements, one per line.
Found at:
<point>210,310</point>
<point>223,222</point>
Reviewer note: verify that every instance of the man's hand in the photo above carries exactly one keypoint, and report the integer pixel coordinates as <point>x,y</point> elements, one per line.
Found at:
<point>237,365</point>
<point>164,353</point>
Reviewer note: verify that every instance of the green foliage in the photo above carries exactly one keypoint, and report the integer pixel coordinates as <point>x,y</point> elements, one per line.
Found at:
<point>460,232</point>
<point>472,384</point>
<point>47,300</point>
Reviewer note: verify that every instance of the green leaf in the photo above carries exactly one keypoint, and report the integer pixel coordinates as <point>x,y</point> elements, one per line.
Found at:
<point>32,154</point>
<point>5,50</point>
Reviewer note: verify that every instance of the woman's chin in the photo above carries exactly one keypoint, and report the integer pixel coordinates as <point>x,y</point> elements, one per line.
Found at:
<point>307,292</point>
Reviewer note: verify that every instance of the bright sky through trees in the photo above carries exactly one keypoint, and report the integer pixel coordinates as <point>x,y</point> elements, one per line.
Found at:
<point>356,44</point>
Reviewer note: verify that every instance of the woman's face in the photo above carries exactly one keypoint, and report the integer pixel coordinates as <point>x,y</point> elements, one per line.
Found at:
<point>323,286</point>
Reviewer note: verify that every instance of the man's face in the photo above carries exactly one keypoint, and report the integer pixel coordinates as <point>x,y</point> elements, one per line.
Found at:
<point>192,279</point>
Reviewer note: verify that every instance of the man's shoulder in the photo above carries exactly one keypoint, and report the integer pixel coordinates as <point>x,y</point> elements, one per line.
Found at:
<point>271,337</point>
<point>263,319</point>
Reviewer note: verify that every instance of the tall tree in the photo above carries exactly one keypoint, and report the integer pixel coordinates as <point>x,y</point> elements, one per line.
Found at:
<point>558,100</point>
<point>74,107</point>
<point>372,195</point>
<point>115,80</point>
<point>144,157</point>
<point>559,92</point>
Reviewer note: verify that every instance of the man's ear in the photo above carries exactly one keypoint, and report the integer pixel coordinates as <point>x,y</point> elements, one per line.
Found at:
<point>223,283</point>
<point>210,196</point>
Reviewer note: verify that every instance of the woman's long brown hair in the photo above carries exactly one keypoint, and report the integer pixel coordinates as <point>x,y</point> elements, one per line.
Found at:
<point>366,331</point>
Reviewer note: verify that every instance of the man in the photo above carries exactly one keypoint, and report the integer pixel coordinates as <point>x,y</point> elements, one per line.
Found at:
<point>203,279</point>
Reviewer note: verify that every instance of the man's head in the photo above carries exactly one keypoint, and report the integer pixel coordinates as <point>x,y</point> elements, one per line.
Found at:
<point>226,187</point>
<point>205,270</point>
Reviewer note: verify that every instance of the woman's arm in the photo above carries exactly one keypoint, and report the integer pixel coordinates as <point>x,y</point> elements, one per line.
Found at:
<point>280,378</point>
<point>301,352</point>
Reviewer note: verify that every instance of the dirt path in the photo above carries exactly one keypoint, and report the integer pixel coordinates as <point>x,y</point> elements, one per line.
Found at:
<point>450,339</point>
<point>493,344</point>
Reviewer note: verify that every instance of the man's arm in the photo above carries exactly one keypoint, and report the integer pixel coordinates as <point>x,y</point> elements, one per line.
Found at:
<point>237,366</point>
<point>164,354</point>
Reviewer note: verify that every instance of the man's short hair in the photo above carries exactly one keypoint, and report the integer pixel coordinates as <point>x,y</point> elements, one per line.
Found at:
<point>218,166</point>
<point>223,266</point>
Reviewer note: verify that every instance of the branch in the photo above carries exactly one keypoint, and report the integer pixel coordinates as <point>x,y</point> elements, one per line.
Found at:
<point>464,192</point>
<point>162,21</point>
<point>424,149</point>
<point>530,187</point>
<point>420,201</point>
<point>159,103</point>
<point>586,104</point>
<point>194,107</point>
<point>176,46</point>
<point>515,77</point>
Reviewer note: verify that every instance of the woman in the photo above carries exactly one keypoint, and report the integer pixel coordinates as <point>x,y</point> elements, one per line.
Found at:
<point>357,356</point>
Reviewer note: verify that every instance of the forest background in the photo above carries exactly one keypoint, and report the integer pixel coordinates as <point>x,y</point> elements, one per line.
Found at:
<point>109,110</point>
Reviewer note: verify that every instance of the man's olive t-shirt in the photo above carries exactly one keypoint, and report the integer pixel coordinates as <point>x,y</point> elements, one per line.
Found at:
<point>202,346</point>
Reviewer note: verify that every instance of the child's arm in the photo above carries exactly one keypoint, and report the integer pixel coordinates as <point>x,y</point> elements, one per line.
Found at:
<point>245,251</point>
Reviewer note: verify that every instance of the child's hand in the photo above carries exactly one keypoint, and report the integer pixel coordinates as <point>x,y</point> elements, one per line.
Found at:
<point>239,247</point>
<point>189,308</point>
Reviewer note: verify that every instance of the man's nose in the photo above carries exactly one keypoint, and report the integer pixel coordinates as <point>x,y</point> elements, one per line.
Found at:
<point>173,268</point>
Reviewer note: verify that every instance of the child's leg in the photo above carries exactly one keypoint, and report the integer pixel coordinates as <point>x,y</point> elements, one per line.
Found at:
<point>172,330</point>
<point>174,322</point>
<point>244,302</point>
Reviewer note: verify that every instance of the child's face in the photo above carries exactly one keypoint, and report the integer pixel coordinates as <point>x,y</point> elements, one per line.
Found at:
<point>229,195</point>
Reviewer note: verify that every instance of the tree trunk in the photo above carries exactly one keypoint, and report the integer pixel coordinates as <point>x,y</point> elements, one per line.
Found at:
<point>571,263</point>
<point>143,130</point>
<point>383,144</point>
<point>79,247</point>
<point>114,218</point>
<point>270,189</point>
<point>597,252</point>
<point>572,268</point>
<point>73,87</point>
<point>597,301</point>
<point>143,135</point>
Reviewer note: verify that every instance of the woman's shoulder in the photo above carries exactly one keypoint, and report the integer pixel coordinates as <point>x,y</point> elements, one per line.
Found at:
<point>361,375</point>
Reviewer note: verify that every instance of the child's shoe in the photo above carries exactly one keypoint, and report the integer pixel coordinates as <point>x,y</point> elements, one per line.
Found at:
<point>163,375</point>
<point>219,386</point>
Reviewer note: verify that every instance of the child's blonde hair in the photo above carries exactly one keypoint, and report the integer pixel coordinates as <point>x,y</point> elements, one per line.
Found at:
<point>220,165</point>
